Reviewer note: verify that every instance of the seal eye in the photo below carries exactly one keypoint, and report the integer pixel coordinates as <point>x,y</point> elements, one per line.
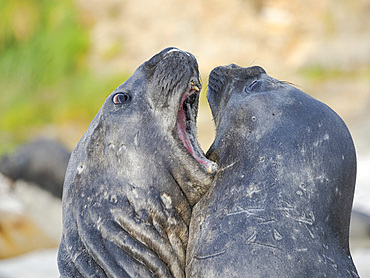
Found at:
<point>121,98</point>
<point>254,86</point>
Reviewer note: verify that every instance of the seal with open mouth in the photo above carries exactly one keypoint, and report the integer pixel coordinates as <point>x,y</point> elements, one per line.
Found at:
<point>134,176</point>
<point>281,201</point>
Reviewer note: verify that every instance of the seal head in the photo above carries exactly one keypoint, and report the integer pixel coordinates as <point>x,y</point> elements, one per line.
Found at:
<point>134,176</point>
<point>281,202</point>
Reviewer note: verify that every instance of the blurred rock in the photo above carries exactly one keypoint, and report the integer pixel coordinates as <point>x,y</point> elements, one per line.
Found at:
<point>362,191</point>
<point>18,235</point>
<point>43,162</point>
<point>359,230</point>
<point>44,209</point>
<point>18,232</point>
<point>37,264</point>
<point>361,258</point>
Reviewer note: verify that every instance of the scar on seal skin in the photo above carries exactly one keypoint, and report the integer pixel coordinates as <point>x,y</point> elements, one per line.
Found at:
<point>134,176</point>
<point>281,201</point>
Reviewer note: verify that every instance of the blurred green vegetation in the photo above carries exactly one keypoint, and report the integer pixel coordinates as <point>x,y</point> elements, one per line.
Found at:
<point>318,73</point>
<point>43,74</point>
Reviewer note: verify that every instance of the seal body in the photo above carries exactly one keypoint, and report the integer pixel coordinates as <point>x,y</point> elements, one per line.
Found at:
<point>280,204</point>
<point>42,161</point>
<point>134,176</point>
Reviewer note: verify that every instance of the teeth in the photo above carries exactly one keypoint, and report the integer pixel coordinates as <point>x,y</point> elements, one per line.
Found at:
<point>193,86</point>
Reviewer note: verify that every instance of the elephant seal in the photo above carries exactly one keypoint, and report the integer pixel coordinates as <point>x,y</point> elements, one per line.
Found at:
<point>40,161</point>
<point>134,176</point>
<point>281,201</point>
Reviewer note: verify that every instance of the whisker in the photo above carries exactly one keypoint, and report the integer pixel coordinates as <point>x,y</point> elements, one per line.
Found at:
<point>291,83</point>
<point>253,62</point>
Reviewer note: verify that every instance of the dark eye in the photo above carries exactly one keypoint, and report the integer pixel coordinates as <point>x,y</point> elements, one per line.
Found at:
<point>254,86</point>
<point>121,98</point>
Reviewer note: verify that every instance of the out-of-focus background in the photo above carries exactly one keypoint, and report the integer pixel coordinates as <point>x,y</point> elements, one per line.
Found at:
<point>59,60</point>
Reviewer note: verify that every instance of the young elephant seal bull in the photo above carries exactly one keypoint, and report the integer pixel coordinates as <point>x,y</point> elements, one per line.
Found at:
<point>134,175</point>
<point>281,201</point>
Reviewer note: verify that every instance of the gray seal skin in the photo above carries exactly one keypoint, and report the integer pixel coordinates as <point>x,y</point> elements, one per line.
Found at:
<point>134,176</point>
<point>281,201</point>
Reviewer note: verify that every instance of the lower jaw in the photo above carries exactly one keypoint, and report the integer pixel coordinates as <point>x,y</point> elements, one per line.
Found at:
<point>208,165</point>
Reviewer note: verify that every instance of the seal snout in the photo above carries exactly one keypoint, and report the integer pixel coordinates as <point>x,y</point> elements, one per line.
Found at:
<point>221,76</point>
<point>152,62</point>
<point>175,74</point>
<point>174,49</point>
<point>217,80</point>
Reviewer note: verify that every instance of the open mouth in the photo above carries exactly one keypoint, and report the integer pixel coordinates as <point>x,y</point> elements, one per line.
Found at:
<point>186,126</point>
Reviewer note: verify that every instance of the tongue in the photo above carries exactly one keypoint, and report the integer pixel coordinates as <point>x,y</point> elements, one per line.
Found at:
<point>181,124</point>
<point>184,137</point>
